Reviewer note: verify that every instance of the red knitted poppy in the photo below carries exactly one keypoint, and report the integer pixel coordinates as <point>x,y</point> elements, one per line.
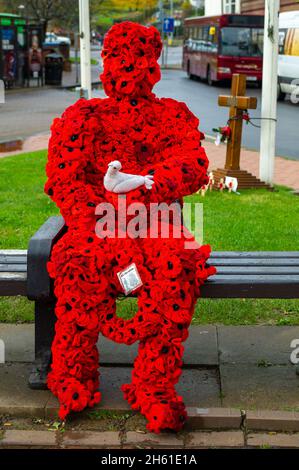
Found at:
<point>148,135</point>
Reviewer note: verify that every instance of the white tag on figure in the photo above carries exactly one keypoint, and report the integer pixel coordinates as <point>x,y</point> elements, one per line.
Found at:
<point>129,279</point>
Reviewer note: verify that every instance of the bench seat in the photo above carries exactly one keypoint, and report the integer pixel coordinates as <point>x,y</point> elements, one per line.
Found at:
<point>272,275</point>
<point>239,275</point>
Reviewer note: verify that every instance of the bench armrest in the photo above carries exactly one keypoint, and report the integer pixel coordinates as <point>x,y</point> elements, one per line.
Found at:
<point>39,285</point>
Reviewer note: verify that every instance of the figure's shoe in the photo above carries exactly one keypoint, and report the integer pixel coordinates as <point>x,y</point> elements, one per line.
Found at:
<point>166,416</point>
<point>129,391</point>
<point>73,395</point>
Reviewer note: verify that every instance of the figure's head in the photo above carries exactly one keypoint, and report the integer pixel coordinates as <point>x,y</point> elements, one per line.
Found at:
<point>130,55</point>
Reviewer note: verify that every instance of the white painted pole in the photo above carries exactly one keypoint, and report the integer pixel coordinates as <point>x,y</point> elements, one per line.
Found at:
<point>269,92</point>
<point>171,16</point>
<point>85,48</point>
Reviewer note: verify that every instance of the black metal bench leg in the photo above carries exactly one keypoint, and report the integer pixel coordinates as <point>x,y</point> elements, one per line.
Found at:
<point>44,334</point>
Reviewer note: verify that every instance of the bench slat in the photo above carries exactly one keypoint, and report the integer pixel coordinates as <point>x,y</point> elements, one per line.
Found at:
<point>218,289</point>
<point>255,254</point>
<point>13,259</point>
<point>254,262</point>
<point>14,268</point>
<point>275,270</point>
<point>12,284</point>
<point>13,252</point>
<point>215,261</point>
<point>257,278</point>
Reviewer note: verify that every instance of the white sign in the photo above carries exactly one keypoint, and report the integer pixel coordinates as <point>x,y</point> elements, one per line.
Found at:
<point>2,352</point>
<point>130,279</point>
<point>231,183</point>
<point>2,92</point>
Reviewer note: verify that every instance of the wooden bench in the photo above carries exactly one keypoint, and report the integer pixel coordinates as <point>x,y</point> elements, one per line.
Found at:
<point>271,275</point>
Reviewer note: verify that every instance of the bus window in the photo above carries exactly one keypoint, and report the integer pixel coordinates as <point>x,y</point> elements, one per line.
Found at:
<point>205,35</point>
<point>257,39</point>
<point>242,42</point>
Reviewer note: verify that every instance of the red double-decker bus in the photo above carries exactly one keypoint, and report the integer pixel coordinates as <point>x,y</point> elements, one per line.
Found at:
<point>219,46</point>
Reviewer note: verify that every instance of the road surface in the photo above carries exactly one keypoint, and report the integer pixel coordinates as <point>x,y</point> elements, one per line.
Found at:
<point>31,112</point>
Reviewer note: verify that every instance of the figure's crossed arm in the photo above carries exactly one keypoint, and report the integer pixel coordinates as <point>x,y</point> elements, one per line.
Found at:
<point>176,177</point>
<point>185,171</point>
<point>180,176</point>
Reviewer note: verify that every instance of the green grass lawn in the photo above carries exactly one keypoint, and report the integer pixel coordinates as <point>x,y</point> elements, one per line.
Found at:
<point>255,220</point>
<point>75,60</point>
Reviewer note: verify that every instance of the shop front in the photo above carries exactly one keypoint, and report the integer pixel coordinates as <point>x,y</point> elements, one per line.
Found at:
<point>21,55</point>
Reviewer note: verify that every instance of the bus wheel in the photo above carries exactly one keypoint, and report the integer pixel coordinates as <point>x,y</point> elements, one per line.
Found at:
<point>210,81</point>
<point>188,71</point>
<point>280,94</point>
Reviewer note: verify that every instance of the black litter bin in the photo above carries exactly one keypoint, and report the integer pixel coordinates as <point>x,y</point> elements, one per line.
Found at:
<point>53,69</point>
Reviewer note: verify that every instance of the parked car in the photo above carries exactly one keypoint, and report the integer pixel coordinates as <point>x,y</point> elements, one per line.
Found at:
<point>52,38</point>
<point>288,60</point>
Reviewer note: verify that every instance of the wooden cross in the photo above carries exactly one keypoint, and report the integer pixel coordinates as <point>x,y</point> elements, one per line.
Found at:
<point>237,103</point>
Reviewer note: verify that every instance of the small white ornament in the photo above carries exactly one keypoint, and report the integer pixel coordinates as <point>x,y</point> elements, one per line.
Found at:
<point>231,183</point>
<point>218,139</point>
<point>204,190</point>
<point>119,183</point>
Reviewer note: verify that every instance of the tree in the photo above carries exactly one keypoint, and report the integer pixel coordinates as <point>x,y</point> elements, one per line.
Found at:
<point>66,12</point>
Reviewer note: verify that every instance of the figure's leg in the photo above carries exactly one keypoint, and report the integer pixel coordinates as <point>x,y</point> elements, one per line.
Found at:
<point>157,367</point>
<point>74,372</point>
<point>83,294</point>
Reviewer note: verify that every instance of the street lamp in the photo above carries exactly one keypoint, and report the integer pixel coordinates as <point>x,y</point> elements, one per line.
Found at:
<point>21,9</point>
<point>85,48</point>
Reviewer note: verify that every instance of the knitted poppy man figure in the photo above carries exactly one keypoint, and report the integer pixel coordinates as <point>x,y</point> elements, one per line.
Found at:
<point>147,135</point>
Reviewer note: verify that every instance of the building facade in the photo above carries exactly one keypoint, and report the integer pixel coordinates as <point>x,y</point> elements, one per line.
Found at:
<point>257,7</point>
<point>220,7</point>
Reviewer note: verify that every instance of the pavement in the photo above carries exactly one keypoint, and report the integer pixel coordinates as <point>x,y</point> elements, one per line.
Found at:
<point>238,384</point>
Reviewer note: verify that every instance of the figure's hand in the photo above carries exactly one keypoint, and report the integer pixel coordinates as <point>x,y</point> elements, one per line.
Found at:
<point>149,181</point>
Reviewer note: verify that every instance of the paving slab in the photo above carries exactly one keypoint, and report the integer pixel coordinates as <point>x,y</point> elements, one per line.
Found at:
<point>199,387</point>
<point>273,440</point>
<point>18,341</point>
<point>253,387</point>
<point>255,344</point>
<point>213,418</point>
<point>200,347</point>
<point>149,440</point>
<point>15,396</point>
<point>87,439</point>
<point>272,420</point>
<point>215,439</point>
<point>18,439</point>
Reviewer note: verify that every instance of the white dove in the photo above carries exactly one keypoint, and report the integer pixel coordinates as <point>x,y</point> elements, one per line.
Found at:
<point>119,183</point>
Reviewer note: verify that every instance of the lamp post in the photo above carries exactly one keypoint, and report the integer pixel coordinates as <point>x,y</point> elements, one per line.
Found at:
<point>21,9</point>
<point>269,91</point>
<point>171,16</point>
<point>85,49</point>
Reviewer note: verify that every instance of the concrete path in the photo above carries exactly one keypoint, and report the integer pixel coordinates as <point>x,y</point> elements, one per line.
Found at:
<point>238,383</point>
<point>232,367</point>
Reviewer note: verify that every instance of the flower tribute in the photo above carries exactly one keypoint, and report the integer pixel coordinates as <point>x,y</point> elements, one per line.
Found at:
<point>147,135</point>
